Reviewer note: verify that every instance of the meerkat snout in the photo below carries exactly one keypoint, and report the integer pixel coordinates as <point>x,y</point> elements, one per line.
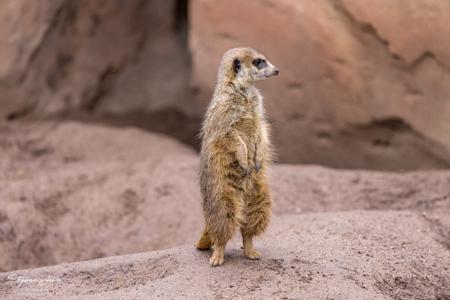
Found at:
<point>264,68</point>
<point>267,68</point>
<point>275,72</point>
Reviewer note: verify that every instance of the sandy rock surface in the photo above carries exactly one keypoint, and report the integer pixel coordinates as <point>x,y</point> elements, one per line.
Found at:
<point>342,255</point>
<point>72,191</point>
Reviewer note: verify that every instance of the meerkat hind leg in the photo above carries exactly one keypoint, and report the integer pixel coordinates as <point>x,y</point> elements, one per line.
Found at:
<point>218,255</point>
<point>249,250</point>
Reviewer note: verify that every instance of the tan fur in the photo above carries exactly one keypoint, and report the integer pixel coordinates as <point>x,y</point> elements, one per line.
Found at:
<point>234,157</point>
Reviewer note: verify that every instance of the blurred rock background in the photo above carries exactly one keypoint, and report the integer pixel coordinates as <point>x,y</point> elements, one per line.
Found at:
<point>363,84</point>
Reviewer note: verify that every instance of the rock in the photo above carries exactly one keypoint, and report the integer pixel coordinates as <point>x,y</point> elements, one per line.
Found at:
<point>345,255</point>
<point>426,27</point>
<point>324,189</point>
<point>107,57</point>
<point>73,191</point>
<point>356,90</point>
<point>327,190</point>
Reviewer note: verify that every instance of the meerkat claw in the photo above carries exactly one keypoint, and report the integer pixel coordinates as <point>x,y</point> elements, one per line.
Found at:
<point>216,260</point>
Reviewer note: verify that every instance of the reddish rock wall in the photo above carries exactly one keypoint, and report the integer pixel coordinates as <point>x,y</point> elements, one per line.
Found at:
<point>110,57</point>
<point>362,85</point>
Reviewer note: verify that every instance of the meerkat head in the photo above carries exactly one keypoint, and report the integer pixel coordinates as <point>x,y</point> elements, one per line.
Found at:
<point>245,66</point>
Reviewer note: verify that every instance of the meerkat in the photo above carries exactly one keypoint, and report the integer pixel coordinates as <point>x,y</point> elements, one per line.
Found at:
<point>234,155</point>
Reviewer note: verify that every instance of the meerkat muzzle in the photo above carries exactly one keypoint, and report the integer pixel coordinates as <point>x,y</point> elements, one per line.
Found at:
<point>274,72</point>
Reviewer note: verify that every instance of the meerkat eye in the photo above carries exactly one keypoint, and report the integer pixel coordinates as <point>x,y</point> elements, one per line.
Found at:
<point>260,63</point>
<point>236,65</point>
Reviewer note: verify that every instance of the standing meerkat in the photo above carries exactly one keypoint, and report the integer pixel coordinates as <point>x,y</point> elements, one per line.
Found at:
<point>234,155</point>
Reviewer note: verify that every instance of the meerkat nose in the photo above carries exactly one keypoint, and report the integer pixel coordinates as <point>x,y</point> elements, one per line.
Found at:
<point>276,72</point>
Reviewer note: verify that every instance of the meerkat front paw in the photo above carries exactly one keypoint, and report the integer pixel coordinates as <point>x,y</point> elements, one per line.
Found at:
<point>258,165</point>
<point>216,259</point>
<point>252,254</point>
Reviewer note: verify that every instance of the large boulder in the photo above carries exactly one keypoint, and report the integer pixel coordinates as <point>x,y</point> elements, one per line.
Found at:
<point>72,192</point>
<point>346,255</point>
<point>362,85</point>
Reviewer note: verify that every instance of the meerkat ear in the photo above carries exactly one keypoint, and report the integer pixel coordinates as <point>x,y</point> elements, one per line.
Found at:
<point>236,65</point>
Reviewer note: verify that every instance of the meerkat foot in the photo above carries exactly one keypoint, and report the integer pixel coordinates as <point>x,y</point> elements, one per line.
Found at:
<point>202,247</point>
<point>216,260</point>
<point>204,243</point>
<point>249,251</point>
<point>217,256</point>
<point>252,254</point>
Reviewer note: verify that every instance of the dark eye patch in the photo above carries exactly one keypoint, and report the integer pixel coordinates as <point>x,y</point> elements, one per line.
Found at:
<point>259,63</point>
<point>236,65</point>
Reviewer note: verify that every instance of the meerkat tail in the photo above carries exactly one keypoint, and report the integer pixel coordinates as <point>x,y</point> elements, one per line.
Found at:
<point>204,243</point>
